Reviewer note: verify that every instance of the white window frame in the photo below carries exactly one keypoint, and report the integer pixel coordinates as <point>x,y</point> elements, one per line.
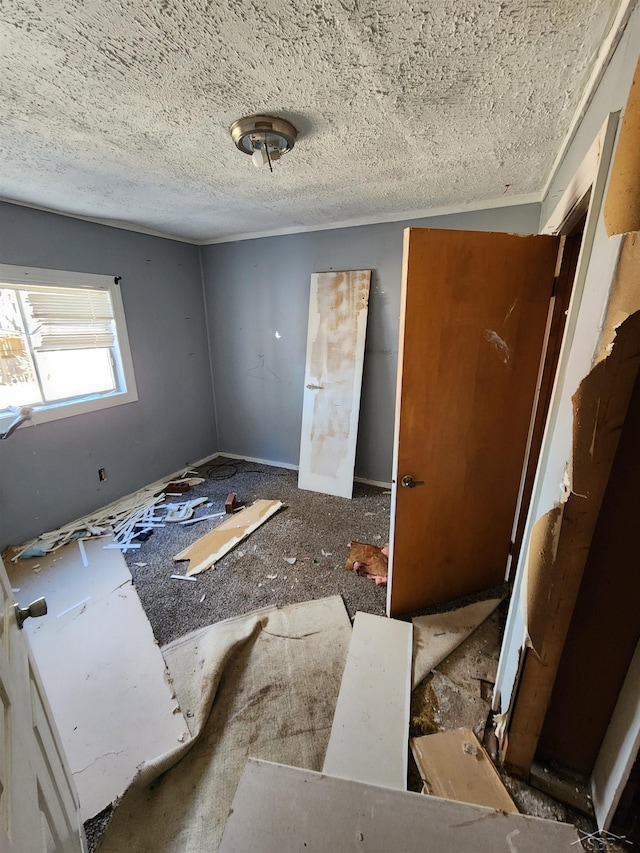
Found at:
<point>123,364</point>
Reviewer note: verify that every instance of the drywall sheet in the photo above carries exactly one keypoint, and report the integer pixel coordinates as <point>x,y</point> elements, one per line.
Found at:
<point>622,205</point>
<point>436,636</point>
<point>561,539</point>
<point>280,808</point>
<point>619,749</point>
<point>214,545</point>
<point>369,738</point>
<point>102,670</point>
<point>262,685</point>
<point>338,310</point>
<point>453,765</point>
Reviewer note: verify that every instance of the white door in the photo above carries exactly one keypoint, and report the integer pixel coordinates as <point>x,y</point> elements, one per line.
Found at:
<point>39,809</point>
<point>333,377</point>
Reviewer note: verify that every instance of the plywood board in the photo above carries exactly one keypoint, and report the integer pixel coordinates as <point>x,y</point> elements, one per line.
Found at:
<point>619,749</point>
<point>453,765</point>
<point>622,206</point>
<point>562,538</point>
<point>369,739</point>
<point>278,809</point>
<point>214,545</point>
<point>101,667</point>
<point>437,635</point>
<point>333,377</point>
<point>473,319</point>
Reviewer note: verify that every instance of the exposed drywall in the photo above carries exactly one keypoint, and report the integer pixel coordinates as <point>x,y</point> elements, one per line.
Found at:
<point>49,472</point>
<point>622,210</point>
<point>257,301</point>
<point>122,110</point>
<point>611,95</point>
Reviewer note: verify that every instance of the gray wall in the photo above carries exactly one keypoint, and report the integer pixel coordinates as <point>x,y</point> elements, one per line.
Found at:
<point>255,288</point>
<point>48,473</point>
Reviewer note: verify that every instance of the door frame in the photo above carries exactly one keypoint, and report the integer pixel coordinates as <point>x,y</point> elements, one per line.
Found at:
<point>590,179</point>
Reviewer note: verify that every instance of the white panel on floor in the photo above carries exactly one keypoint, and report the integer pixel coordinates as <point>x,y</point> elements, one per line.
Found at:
<point>103,673</point>
<point>279,808</point>
<point>369,739</point>
<point>620,748</point>
<point>333,377</point>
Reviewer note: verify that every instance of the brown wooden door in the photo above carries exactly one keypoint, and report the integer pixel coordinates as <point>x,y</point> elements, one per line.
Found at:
<point>472,328</point>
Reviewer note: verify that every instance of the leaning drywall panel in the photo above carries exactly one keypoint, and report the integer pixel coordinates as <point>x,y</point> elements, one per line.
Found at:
<point>622,208</point>
<point>333,380</point>
<point>619,749</point>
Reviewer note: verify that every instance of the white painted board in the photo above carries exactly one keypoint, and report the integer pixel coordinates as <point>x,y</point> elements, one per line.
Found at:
<point>338,310</point>
<point>278,809</point>
<point>619,749</point>
<point>102,670</point>
<point>39,808</point>
<point>369,739</point>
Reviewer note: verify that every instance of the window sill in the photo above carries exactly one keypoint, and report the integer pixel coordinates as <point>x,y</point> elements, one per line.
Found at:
<point>58,411</point>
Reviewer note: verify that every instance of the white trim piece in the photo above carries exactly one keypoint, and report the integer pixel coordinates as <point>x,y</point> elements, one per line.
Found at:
<point>619,748</point>
<point>369,739</point>
<point>605,53</point>
<point>382,218</point>
<point>592,172</point>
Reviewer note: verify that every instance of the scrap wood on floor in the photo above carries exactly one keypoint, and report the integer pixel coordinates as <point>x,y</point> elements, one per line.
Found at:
<point>262,685</point>
<point>211,547</point>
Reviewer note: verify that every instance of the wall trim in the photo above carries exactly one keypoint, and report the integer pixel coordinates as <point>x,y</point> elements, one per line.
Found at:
<point>381,219</point>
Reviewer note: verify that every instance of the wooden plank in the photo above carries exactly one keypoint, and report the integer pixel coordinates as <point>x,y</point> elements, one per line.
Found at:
<point>453,765</point>
<point>369,739</point>
<point>474,315</point>
<point>619,749</point>
<point>214,545</point>
<point>562,538</point>
<point>333,377</point>
<point>278,809</point>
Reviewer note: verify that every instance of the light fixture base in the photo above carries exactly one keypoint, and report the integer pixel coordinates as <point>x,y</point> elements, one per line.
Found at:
<point>262,132</point>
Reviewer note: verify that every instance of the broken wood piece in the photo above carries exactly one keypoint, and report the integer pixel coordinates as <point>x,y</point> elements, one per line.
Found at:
<point>453,765</point>
<point>182,578</point>
<point>367,560</point>
<point>182,511</point>
<point>214,545</point>
<point>231,503</point>
<point>202,518</point>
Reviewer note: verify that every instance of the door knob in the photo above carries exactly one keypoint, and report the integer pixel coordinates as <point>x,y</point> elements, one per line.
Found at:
<point>409,483</point>
<point>35,609</point>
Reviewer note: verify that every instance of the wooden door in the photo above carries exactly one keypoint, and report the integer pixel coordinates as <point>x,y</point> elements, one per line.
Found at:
<point>474,311</point>
<point>333,378</point>
<point>39,810</point>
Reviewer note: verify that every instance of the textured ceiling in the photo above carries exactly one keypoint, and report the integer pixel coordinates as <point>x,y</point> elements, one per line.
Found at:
<point>120,109</point>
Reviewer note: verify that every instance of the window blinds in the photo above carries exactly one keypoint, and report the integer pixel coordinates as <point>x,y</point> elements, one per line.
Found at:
<point>67,318</point>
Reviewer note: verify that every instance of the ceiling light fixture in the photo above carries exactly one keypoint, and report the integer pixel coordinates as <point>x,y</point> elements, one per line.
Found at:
<point>264,138</point>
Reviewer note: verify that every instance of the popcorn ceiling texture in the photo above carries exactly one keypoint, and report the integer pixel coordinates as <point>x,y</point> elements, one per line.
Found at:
<point>120,109</point>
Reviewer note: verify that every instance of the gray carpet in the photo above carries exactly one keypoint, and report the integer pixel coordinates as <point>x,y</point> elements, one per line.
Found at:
<point>313,528</point>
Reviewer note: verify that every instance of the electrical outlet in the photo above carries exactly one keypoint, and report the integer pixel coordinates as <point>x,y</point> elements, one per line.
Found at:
<point>102,474</point>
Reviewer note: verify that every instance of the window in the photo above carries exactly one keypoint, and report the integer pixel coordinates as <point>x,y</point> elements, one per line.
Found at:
<point>63,343</point>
